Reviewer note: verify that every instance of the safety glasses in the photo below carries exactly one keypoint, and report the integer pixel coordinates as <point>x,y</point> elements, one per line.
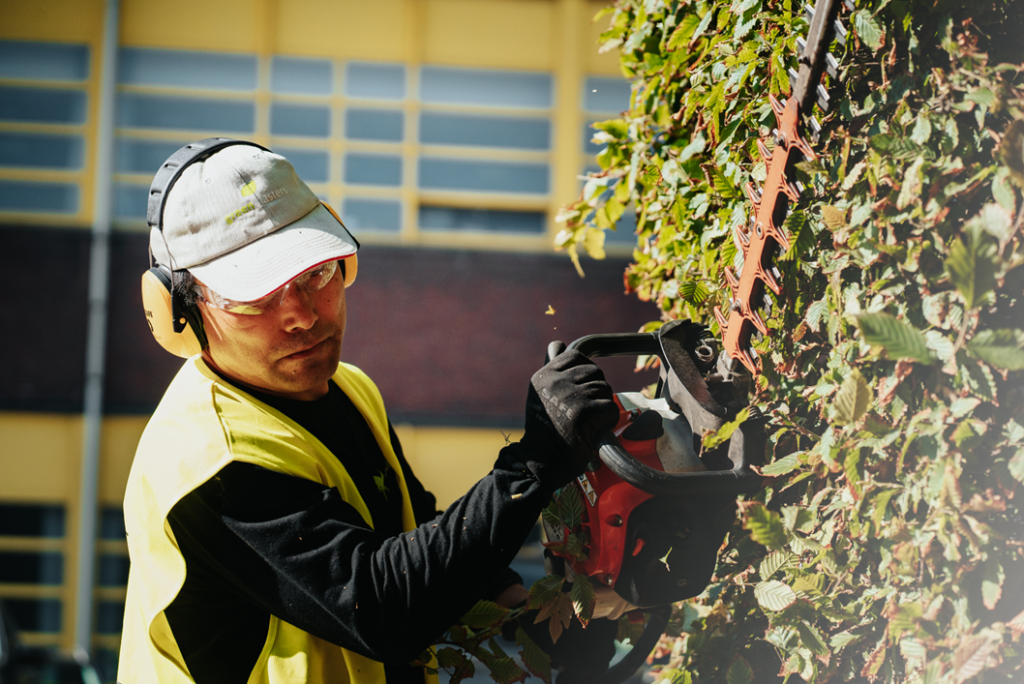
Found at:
<point>310,281</point>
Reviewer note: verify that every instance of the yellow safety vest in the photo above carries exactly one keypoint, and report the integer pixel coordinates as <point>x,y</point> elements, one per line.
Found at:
<point>201,425</point>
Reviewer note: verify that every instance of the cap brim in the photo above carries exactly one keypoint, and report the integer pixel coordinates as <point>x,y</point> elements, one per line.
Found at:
<point>260,267</point>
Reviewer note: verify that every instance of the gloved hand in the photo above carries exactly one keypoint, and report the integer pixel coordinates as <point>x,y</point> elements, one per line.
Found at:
<point>567,406</point>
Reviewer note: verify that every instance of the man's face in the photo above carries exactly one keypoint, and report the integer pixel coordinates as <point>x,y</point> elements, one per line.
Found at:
<point>290,351</point>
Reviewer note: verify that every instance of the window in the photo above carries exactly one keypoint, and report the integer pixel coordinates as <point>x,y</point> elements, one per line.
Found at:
<point>41,150</point>
<point>481,220</point>
<point>375,81</point>
<point>373,169</point>
<point>43,61</point>
<point>384,125</point>
<point>181,68</point>
<point>136,110</point>
<point>296,76</point>
<point>446,85</point>
<point>441,128</point>
<point>438,173</point>
<point>361,214</point>
<point>44,106</point>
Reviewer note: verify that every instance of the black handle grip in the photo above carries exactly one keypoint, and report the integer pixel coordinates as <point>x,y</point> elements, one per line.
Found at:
<point>739,480</point>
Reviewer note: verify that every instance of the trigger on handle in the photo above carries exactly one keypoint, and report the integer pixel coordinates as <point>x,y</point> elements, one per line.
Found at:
<point>554,349</point>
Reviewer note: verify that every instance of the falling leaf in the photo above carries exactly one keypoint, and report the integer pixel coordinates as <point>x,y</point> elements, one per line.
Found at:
<point>550,311</point>
<point>664,559</point>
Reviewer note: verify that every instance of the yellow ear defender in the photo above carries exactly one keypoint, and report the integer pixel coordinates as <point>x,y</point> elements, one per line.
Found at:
<point>178,326</point>
<point>350,264</point>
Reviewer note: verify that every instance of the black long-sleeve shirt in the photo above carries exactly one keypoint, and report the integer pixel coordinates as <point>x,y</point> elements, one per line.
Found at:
<point>258,543</point>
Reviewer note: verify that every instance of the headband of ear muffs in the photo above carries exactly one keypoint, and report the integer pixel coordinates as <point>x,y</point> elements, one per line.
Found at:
<point>178,326</point>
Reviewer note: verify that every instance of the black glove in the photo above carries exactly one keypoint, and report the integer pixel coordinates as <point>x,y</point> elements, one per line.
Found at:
<point>568,405</point>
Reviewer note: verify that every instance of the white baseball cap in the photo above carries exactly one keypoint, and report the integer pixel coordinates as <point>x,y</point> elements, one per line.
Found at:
<point>244,224</point>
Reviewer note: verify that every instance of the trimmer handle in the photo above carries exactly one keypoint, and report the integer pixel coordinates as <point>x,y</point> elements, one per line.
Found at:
<point>745,447</point>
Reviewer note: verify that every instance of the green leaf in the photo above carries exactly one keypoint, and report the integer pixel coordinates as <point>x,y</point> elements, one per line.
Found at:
<point>853,399</point>
<point>972,267</point>
<point>570,506</point>
<point>1011,150</point>
<point>922,130</point>
<point>545,589</point>
<point>969,659</point>
<point>694,291</point>
<point>739,672</point>
<point>843,639</point>
<point>774,595</point>
<point>765,526</point>
<point>536,660</point>
<point>834,218</point>
<point>773,562</point>
<point>1001,348</point>
<point>450,658</point>
<point>484,614</point>
<point>710,440</point>
<point>684,32</point>
<point>867,29</point>
<point>811,638</point>
<point>900,340</point>
<point>992,582</point>
<point>781,466</point>
<point>1016,466</point>
<point>583,598</point>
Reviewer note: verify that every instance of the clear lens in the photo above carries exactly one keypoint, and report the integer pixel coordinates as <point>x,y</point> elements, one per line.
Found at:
<point>312,280</point>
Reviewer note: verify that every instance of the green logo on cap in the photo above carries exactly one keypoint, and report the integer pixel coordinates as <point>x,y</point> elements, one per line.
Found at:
<point>249,188</point>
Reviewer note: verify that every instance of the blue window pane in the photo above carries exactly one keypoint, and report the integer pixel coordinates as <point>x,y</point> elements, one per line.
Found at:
<point>605,94</point>
<point>109,617</point>
<point>302,76</point>
<point>216,70</point>
<point>35,615</point>
<point>142,156</point>
<point>130,201</point>
<point>113,570</point>
<point>25,567</point>
<point>43,61</point>
<point>311,165</point>
<point>373,169</point>
<point>27,520</point>
<point>57,198</point>
<point>490,176</point>
<point>112,524</point>
<point>482,220</point>
<point>374,124</point>
<point>477,86</point>
<point>38,105</point>
<point>375,81</point>
<point>589,146</point>
<point>372,214</point>
<point>37,150</point>
<point>186,113</point>
<point>289,119</point>
<point>438,128</point>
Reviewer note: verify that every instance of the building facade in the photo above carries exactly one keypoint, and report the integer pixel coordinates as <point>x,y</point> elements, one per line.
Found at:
<point>447,133</point>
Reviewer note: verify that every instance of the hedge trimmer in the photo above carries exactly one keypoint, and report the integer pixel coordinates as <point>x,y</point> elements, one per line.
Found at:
<point>763,238</point>
<point>653,495</point>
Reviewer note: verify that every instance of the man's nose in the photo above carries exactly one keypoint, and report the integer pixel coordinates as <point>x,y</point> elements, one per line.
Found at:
<point>297,309</point>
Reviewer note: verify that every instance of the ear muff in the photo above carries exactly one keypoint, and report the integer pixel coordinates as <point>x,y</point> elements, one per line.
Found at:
<point>351,263</point>
<point>179,332</point>
<point>178,328</point>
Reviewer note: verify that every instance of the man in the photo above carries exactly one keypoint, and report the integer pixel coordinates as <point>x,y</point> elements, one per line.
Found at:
<point>276,532</point>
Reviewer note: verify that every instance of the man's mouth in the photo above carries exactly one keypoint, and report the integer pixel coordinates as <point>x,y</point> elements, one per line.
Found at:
<point>308,351</point>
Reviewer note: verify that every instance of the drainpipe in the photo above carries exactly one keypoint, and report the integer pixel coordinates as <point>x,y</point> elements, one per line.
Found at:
<point>96,339</point>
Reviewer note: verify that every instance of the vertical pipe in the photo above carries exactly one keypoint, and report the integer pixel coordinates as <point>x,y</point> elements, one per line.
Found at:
<point>96,336</point>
